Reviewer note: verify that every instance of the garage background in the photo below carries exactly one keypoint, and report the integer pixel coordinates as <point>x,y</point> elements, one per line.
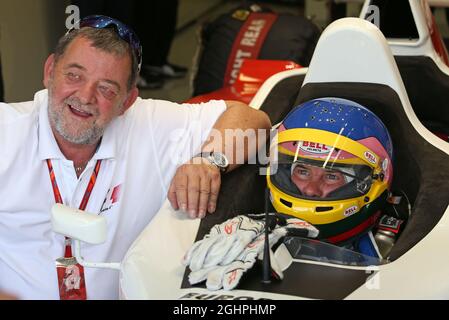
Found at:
<point>29,30</point>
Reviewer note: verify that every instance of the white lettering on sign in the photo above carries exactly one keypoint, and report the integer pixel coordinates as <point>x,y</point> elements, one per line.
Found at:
<point>250,37</point>
<point>248,45</point>
<point>314,147</point>
<point>239,56</point>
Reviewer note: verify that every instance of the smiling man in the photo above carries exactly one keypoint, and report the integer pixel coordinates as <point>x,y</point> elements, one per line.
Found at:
<point>89,142</point>
<point>85,94</point>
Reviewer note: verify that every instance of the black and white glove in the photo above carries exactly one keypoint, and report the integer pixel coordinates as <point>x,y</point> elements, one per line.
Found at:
<point>227,275</point>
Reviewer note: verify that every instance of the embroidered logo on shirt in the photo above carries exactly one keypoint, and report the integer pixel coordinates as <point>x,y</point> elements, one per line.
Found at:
<point>112,197</point>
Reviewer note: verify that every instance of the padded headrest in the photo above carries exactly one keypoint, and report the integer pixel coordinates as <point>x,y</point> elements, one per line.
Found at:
<point>354,50</point>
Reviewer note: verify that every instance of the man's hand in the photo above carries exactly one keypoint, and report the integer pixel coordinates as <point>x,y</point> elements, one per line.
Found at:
<point>195,187</point>
<point>5,296</point>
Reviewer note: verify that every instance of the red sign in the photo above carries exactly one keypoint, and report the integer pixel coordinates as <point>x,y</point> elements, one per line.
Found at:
<point>248,43</point>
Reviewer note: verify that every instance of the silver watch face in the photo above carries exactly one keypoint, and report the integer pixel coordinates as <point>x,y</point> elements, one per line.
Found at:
<point>219,159</point>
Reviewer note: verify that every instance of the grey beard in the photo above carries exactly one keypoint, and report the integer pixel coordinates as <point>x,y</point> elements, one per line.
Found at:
<point>88,137</point>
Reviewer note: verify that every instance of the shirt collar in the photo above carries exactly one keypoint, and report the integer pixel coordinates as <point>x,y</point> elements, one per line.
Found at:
<point>48,147</point>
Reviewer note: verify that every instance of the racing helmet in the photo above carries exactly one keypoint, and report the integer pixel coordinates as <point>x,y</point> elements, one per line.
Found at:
<point>331,165</point>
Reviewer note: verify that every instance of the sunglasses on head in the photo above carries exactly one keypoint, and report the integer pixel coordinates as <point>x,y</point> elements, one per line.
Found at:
<point>124,32</point>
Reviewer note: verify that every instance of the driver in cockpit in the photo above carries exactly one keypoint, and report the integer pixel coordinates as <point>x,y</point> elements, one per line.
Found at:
<point>332,167</point>
<point>329,178</point>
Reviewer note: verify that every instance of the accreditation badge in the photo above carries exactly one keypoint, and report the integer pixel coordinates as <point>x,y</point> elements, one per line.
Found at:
<point>72,285</point>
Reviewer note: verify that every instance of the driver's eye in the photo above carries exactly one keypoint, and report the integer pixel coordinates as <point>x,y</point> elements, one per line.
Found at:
<point>332,177</point>
<point>302,173</point>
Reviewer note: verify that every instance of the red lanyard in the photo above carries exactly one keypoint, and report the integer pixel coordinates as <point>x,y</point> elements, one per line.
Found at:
<point>71,282</point>
<point>83,204</point>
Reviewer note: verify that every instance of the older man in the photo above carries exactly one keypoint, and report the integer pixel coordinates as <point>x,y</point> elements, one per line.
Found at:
<point>89,142</point>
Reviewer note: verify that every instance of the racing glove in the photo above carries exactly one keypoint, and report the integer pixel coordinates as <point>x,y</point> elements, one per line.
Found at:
<point>228,276</point>
<point>224,243</point>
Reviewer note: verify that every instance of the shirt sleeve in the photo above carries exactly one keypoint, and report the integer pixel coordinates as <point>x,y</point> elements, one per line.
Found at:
<point>179,130</point>
<point>10,112</point>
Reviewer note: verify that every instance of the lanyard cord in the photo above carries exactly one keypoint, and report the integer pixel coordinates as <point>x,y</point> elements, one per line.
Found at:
<point>84,201</point>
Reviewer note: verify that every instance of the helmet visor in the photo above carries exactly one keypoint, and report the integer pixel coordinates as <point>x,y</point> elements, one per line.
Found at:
<point>312,171</point>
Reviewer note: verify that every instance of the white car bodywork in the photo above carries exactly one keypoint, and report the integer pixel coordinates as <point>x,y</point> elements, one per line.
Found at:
<point>349,50</point>
<point>425,25</point>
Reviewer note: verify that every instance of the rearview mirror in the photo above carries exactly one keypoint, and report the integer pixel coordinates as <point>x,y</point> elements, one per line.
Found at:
<point>78,224</point>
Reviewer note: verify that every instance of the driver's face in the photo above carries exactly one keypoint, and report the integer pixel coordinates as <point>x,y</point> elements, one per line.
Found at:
<point>316,182</point>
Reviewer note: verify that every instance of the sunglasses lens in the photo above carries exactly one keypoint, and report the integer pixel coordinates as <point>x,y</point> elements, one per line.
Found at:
<point>125,32</point>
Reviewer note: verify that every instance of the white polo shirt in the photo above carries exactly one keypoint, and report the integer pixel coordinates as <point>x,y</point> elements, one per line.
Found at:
<point>140,152</point>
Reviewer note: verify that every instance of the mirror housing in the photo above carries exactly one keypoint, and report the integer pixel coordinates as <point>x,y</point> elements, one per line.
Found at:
<point>78,224</point>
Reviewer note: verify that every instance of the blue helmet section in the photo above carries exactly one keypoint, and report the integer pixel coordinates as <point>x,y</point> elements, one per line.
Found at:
<point>340,116</point>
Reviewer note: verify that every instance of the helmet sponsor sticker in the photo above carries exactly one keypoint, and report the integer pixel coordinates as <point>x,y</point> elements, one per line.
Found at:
<point>313,147</point>
<point>385,165</point>
<point>351,210</point>
<point>370,157</point>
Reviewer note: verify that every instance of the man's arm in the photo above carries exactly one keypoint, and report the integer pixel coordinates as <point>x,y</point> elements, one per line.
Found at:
<point>5,296</point>
<point>238,134</point>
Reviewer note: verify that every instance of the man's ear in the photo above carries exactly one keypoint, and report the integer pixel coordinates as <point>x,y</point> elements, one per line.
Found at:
<point>48,69</point>
<point>130,99</point>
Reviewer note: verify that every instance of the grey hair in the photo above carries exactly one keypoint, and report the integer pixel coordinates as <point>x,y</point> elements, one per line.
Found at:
<point>106,40</point>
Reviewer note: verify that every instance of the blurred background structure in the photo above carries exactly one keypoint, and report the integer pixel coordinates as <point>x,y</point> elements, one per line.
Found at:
<point>29,30</point>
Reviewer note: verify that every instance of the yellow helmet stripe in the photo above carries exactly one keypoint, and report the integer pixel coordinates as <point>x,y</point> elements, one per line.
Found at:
<point>341,161</point>
<point>307,209</point>
<point>331,139</point>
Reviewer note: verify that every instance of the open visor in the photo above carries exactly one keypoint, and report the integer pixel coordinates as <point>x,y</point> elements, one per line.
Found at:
<point>315,171</point>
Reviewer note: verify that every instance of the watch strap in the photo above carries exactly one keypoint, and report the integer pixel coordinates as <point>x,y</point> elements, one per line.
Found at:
<point>208,156</point>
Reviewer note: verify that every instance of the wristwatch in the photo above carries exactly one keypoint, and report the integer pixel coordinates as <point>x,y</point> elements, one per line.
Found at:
<point>216,158</point>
